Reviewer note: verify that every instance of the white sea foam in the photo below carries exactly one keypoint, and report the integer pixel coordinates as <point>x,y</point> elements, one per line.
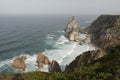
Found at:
<point>60,31</point>
<point>50,36</point>
<point>64,53</point>
<point>62,40</point>
<point>83,36</point>
<point>3,64</point>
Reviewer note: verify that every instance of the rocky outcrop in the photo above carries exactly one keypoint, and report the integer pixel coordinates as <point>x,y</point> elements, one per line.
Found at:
<point>41,60</point>
<point>85,59</point>
<point>105,31</point>
<point>19,63</point>
<point>72,31</point>
<point>87,40</point>
<point>54,67</point>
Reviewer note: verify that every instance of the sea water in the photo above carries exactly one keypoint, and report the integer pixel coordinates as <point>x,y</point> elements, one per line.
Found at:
<point>30,35</point>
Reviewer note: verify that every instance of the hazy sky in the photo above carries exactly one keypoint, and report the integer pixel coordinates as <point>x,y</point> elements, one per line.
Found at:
<point>59,6</point>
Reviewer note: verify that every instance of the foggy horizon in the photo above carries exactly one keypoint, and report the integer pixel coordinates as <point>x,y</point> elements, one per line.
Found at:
<point>45,7</point>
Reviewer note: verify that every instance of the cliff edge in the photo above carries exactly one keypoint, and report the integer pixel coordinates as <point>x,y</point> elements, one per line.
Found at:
<point>105,31</point>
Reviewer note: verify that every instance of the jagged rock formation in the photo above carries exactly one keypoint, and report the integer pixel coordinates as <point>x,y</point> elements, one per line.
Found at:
<point>41,60</point>
<point>87,40</point>
<point>85,59</point>
<point>72,31</point>
<point>105,31</point>
<point>54,67</point>
<point>19,63</point>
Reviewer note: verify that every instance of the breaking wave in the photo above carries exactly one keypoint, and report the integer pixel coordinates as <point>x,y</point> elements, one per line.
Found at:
<point>63,52</point>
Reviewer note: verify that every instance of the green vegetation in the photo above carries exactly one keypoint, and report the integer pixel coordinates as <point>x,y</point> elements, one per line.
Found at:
<point>105,68</point>
<point>35,76</point>
<point>83,73</point>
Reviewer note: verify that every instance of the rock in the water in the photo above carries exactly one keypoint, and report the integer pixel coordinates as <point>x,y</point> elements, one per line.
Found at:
<point>105,31</point>
<point>87,40</point>
<point>72,31</point>
<point>41,60</point>
<point>54,67</point>
<point>85,59</point>
<point>19,63</point>
<point>40,65</point>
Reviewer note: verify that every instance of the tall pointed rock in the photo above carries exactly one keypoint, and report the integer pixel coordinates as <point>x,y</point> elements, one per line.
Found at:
<point>72,31</point>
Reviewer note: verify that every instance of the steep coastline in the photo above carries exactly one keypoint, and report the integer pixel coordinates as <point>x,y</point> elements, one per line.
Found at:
<point>85,59</point>
<point>105,31</point>
<point>79,43</point>
<point>91,65</point>
<point>105,34</point>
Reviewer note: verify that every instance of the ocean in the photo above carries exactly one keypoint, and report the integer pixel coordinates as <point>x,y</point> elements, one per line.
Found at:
<point>30,35</point>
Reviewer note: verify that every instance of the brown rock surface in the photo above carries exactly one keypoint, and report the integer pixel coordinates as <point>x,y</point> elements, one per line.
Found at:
<point>19,63</point>
<point>72,31</point>
<point>41,60</point>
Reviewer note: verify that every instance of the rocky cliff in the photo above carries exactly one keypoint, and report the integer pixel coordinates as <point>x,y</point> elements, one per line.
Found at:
<point>72,31</point>
<point>54,67</point>
<point>105,31</point>
<point>85,59</point>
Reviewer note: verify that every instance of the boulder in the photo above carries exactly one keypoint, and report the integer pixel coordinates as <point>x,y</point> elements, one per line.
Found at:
<point>85,59</point>
<point>19,63</point>
<point>72,31</point>
<point>42,59</point>
<point>54,67</point>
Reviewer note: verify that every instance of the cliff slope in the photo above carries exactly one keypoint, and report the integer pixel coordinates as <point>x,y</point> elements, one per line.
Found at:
<point>105,31</point>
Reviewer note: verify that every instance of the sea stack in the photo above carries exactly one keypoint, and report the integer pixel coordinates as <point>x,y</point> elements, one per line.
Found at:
<point>72,31</point>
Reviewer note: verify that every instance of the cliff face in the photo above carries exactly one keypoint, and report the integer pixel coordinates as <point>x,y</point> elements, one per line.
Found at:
<point>85,59</point>
<point>72,31</point>
<point>105,31</point>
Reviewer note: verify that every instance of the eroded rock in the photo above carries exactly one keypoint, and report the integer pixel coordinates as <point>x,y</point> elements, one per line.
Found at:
<point>54,67</point>
<point>42,59</point>
<point>105,31</point>
<point>72,31</point>
<point>87,40</point>
<point>19,63</point>
<point>85,59</point>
